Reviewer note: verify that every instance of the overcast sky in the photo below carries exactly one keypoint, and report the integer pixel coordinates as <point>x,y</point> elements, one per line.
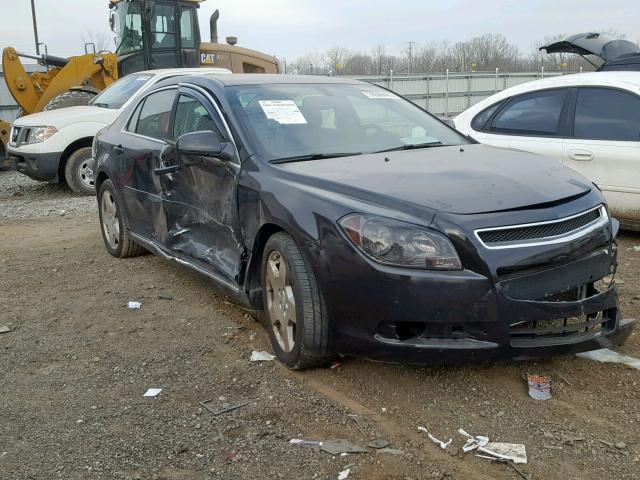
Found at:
<point>290,28</point>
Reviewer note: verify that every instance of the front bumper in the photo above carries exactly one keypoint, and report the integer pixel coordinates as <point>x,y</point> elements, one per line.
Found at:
<point>393,314</point>
<point>43,166</point>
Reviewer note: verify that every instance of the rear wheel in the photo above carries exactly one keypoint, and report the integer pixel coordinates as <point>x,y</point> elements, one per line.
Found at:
<point>115,230</point>
<point>70,98</point>
<point>78,172</point>
<point>294,311</point>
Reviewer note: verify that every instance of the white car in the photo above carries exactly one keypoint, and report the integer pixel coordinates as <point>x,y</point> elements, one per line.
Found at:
<point>55,146</point>
<point>590,122</point>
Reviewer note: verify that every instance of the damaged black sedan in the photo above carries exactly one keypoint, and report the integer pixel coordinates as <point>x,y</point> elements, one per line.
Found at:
<point>357,223</point>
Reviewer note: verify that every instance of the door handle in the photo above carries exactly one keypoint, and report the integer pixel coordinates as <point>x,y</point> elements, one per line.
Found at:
<point>581,155</point>
<point>118,150</point>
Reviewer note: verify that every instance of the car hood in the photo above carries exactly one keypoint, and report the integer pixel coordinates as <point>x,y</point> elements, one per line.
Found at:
<point>66,116</point>
<point>592,44</point>
<point>466,179</point>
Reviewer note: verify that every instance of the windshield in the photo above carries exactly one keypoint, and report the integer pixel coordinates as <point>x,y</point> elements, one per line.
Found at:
<point>120,91</point>
<point>128,28</point>
<point>305,120</point>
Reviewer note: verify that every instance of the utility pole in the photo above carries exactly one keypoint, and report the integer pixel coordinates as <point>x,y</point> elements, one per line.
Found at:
<point>35,26</point>
<point>410,52</point>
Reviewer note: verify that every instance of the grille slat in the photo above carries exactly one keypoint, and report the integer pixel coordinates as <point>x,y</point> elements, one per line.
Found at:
<point>539,231</point>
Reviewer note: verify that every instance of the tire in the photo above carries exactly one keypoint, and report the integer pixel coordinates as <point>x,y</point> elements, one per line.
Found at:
<point>296,298</point>
<point>70,98</point>
<point>78,172</point>
<point>113,224</point>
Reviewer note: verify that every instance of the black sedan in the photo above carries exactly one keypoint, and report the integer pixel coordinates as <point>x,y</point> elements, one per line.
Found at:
<point>357,223</point>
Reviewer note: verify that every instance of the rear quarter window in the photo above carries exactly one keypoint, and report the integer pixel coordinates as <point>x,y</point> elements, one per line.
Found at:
<point>479,122</point>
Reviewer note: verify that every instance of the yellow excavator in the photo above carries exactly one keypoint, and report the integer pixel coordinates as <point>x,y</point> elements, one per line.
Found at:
<point>150,34</point>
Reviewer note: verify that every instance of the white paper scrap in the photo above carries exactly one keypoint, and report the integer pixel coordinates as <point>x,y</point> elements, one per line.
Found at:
<point>135,305</point>
<point>516,452</point>
<point>380,94</point>
<point>343,475</point>
<point>261,356</point>
<point>152,392</point>
<point>285,112</point>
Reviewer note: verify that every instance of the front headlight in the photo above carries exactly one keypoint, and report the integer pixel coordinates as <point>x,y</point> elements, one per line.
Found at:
<point>400,244</point>
<point>40,134</point>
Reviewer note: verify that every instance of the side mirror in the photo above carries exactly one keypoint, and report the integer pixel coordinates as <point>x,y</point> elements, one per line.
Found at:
<point>204,144</point>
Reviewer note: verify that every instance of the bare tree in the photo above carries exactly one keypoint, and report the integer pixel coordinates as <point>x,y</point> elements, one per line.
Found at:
<point>335,58</point>
<point>483,53</point>
<point>99,39</point>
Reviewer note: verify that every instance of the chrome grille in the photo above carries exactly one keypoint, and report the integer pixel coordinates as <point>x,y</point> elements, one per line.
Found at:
<point>560,330</point>
<point>543,232</point>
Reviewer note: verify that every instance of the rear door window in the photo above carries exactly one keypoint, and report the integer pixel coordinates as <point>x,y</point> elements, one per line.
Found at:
<point>607,114</point>
<point>536,113</point>
<point>155,116</point>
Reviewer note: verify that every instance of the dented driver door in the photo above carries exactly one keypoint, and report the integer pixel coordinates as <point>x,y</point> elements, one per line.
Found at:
<point>199,197</point>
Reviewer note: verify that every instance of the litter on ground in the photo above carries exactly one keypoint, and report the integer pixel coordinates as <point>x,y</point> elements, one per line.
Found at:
<point>336,447</point>
<point>4,329</point>
<point>135,305</point>
<point>539,386</point>
<point>261,356</point>
<point>473,442</point>
<point>152,392</point>
<point>343,475</point>
<point>609,356</point>
<point>301,441</point>
<point>515,452</point>
<point>443,445</point>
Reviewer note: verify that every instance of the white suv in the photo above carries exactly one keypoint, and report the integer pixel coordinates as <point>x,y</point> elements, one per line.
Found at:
<point>55,146</point>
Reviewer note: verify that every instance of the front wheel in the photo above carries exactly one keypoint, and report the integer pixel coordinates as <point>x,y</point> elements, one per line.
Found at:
<point>78,172</point>
<point>294,311</point>
<point>115,231</point>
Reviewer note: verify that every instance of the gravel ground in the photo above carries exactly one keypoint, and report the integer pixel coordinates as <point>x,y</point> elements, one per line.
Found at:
<point>77,361</point>
<point>21,197</point>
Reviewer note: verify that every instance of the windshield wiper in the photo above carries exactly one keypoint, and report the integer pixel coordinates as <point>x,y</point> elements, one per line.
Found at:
<point>412,146</point>
<point>313,156</point>
<point>100,104</point>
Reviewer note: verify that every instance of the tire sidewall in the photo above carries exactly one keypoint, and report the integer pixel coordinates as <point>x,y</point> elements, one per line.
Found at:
<point>72,172</point>
<point>290,359</point>
<point>107,186</point>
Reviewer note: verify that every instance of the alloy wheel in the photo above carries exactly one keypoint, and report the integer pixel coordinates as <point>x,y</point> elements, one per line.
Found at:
<point>110,220</point>
<point>281,302</point>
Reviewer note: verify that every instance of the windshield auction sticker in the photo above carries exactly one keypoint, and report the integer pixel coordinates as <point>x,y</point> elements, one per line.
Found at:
<point>285,112</point>
<point>379,94</point>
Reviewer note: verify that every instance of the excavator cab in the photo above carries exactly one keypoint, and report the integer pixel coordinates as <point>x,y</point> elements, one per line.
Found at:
<point>152,34</point>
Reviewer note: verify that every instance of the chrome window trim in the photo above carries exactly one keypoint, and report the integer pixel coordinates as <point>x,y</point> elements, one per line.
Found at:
<point>590,227</point>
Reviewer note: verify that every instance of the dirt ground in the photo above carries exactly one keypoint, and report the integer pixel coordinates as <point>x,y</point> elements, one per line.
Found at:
<point>77,361</point>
